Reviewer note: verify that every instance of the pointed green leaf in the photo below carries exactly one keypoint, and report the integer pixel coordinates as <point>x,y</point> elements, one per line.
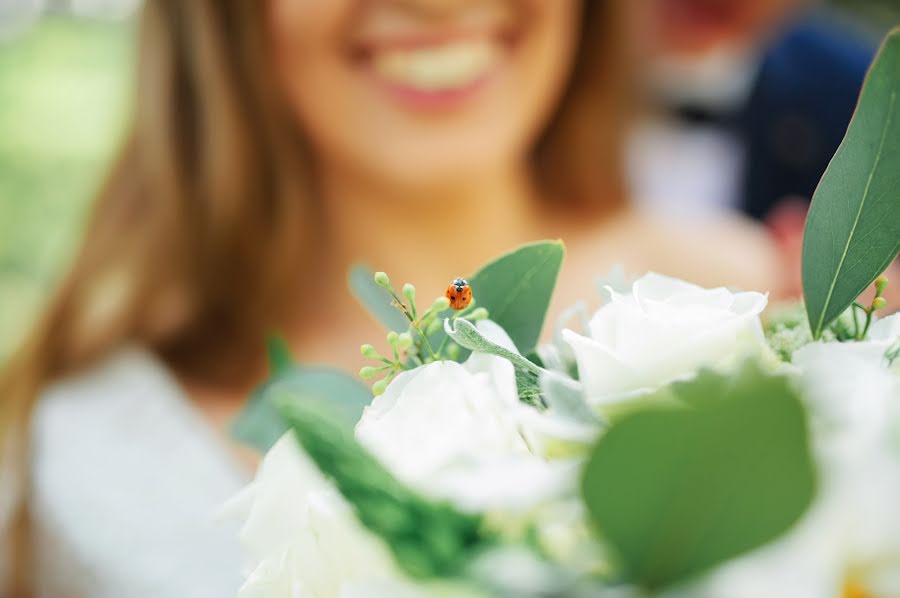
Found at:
<point>516,289</point>
<point>853,229</point>
<point>675,491</point>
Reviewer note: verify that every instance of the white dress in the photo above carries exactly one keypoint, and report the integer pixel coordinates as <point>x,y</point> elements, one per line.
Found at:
<point>127,478</point>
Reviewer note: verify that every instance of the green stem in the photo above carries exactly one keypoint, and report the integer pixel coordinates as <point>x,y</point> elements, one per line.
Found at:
<point>869,313</point>
<point>856,333</point>
<point>425,342</point>
<point>401,306</point>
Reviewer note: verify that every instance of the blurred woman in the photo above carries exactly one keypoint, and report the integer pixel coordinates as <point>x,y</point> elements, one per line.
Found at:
<point>275,143</point>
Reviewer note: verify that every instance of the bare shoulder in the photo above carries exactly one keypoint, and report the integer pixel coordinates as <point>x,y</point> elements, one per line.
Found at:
<point>725,250</point>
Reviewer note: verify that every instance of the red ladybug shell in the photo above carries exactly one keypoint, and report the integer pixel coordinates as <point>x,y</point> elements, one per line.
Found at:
<point>459,293</point>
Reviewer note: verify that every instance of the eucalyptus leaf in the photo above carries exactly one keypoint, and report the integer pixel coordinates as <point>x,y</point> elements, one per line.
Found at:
<point>260,425</point>
<point>853,228</point>
<point>375,298</point>
<point>428,538</point>
<point>677,491</point>
<point>516,289</point>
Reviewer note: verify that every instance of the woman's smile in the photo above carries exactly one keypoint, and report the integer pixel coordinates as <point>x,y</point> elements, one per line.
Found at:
<point>441,73</point>
<point>418,92</point>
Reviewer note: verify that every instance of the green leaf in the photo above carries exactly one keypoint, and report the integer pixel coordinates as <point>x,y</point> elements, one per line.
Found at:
<point>516,289</point>
<point>853,229</point>
<point>375,298</point>
<point>260,425</point>
<point>428,538</point>
<point>677,491</point>
<point>279,355</point>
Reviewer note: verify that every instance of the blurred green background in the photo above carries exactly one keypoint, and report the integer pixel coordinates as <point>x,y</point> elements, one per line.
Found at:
<point>64,96</point>
<point>63,100</point>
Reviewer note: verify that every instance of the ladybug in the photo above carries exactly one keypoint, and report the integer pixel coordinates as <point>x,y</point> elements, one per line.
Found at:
<point>459,293</point>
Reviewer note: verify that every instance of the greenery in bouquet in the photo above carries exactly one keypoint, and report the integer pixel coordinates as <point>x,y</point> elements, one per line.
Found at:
<point>670,444</point>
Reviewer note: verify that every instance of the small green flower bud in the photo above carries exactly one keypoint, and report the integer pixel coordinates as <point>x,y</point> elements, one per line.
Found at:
<point>404,341</point>
<point>409,291</point>
<point>879,303</point>
<point>479,313</point>
<point>881,283</point>
<point>382,280</point>
<point>393,338</point>
<point>367,372</point>
<point>453,351</point>
<point>369,351</point>
<point>379,387</point>
<point>428,360</point>
<point>440,304</point>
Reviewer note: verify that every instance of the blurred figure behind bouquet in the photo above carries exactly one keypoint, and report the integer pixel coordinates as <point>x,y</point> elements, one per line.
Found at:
<point>750,99</point>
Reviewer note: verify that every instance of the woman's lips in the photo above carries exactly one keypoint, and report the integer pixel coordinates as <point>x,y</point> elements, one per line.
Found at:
<point>435,73</point>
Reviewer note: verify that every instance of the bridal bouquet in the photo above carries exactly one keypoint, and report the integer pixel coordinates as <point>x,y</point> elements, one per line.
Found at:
<point>679,441</point>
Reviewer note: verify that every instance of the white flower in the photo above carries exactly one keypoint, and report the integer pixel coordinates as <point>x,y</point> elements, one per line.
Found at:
<point>451,431</point>
<point>300,538</point>
<point>663,330</point>
<point>455,431</point>
<point>852,394</point>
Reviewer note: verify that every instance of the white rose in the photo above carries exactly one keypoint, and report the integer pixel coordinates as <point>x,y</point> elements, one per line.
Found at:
<point>455,431</point>
<point>300,537</point>
<point>663,330</point>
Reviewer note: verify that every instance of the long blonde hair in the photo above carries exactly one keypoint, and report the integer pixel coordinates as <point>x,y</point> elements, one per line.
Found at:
<point>210,203</point>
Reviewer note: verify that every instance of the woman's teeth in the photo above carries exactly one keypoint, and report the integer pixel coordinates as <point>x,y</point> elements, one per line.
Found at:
<point>437,68</point>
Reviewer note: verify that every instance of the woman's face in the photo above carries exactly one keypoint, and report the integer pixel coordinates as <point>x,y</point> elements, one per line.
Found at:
<point>420,91</point>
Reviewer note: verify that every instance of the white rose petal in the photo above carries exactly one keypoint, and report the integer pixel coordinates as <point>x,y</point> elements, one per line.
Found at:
<point>455,431</point>
<point>300,537</point>
<point>436,415</point>
<point>663,330</point>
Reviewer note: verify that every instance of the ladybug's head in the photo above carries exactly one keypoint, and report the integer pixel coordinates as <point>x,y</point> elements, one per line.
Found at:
<point>460,284</point>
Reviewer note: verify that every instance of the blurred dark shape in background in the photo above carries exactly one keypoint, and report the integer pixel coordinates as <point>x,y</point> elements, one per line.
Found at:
<point>748,102</point>
<point>65,70</point>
